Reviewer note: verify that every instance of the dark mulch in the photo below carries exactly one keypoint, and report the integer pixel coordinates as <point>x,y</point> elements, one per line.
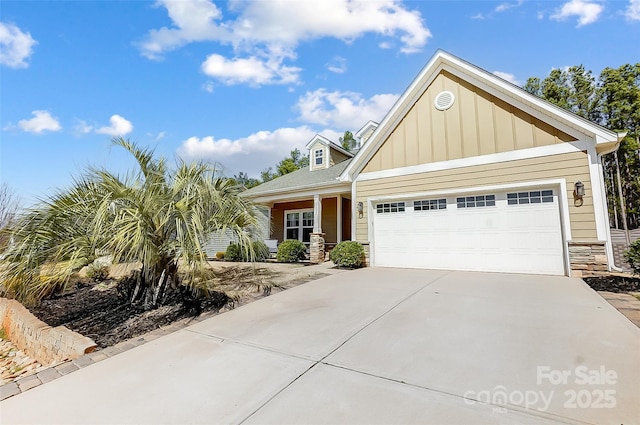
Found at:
<point>614,283</point>
<point>100,313</point>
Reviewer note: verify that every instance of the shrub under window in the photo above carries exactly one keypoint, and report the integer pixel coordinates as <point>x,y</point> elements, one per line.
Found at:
<point>291,251</point>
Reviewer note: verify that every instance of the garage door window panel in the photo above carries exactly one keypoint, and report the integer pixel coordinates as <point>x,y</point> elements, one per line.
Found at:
<point>533,197</point>
<point>430,204</point>
<point>476,201</point>
<point>390,207</point>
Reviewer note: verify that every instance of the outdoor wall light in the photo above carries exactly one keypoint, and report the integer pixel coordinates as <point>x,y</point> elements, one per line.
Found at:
<point>360,209</point>
<point>578,193</point>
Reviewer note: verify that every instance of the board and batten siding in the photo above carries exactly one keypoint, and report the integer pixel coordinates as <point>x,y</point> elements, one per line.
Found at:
<point>476,124</point>
<point>570,166</point>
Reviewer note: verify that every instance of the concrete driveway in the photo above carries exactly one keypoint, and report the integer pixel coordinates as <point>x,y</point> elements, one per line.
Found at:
<point>372,346</point>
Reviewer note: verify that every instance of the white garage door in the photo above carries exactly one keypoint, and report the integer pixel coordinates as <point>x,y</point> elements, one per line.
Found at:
<point>515,232</point>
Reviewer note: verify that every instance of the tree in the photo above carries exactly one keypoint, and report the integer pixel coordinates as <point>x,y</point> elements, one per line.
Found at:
<point>158,216</point>
<point>613,102</point>
<point>348,142</point>
<point>293,162</point>
<point>243,179</point>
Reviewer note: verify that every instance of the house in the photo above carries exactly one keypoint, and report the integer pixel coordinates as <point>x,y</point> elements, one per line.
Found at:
<point>466,172</point>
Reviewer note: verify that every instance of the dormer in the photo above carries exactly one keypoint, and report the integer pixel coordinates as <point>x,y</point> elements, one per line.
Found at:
<point>365,132</point>
<point>323,153</point>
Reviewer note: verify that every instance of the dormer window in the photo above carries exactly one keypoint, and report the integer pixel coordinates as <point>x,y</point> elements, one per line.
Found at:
<point>319,156</point>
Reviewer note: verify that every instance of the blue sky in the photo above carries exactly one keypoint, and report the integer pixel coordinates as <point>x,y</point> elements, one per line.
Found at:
<point>242,83</point>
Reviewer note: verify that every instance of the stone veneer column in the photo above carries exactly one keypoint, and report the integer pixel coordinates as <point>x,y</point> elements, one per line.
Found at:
<point>588,259</point>
<point>316,250</point>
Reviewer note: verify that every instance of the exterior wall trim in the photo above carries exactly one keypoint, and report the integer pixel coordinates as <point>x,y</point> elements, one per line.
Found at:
<point>559,184</point>
<point>494,158</point>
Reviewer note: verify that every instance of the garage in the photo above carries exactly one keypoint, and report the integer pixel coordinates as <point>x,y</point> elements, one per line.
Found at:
<point>514,232</point>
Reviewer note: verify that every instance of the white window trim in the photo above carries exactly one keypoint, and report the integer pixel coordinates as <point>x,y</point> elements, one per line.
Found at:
<point>300,226</point>
<point>321,157</point>
<point>559,185</point>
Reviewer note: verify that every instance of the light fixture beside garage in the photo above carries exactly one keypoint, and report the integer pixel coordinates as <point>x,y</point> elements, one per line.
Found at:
<point>360,209</point>
<point>578,193</point>
<point>444,100</point>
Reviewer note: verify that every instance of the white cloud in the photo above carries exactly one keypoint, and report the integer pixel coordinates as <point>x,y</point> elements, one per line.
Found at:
<point>265,33</point>
<point>587,11</point>
<point>337,65</point>
<point>82,127</point>
<point>253,70</point>
<point>42,121</point>
<point>253,153</point>
<point>15,46</point>
<point>633,10</point>
<point>119,127</point>
<point>506,6</point>
<point>343,110</point>
<point>506,76</point>
<point>208,87</point>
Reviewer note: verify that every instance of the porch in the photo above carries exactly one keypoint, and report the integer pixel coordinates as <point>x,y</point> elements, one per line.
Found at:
<point>319,222</point>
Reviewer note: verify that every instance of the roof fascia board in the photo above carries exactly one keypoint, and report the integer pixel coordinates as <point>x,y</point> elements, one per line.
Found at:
<point>519,95</point>
<point>483,79</point>
<point>375,140</point>
<point>308,193</point>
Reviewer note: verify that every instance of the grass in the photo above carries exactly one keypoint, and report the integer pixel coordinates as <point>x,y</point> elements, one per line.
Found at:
<point>3,334</point>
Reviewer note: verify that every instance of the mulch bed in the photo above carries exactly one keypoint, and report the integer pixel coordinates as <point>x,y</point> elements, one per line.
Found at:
<point>100,311</point>
<point>614,283</point>
<point>97,311</point>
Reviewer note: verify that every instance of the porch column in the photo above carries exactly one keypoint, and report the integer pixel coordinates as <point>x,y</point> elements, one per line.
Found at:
<point>317,214</point>
<point>339,219</point>
<point>316,248</point>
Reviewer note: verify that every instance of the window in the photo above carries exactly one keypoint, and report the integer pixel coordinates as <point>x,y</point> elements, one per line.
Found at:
<point>391,207</point>
<point>476,201</point>
<point>298,225</point>
<point>534,197</point>
<point>430,204</point>
<point>319,156</point>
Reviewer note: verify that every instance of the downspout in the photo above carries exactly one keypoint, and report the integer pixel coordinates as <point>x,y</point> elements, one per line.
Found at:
<point>611,257</point>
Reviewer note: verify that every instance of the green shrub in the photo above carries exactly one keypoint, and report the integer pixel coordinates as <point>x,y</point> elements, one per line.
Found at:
<point>97,271</point>
<point>632,255</point>
<point>220,255</point>
<point>260,250</point>
<point>234,253</point>
<point>348,254</point>
<point>291,251</point>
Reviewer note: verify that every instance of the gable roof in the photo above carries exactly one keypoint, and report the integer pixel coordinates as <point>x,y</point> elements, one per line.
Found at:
<point>327,142</point>
<point>368,126</point>
<point>547,112</point>
<point>299,180</point>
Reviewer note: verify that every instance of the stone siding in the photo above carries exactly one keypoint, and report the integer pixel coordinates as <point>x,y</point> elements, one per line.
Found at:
<point>316,248</point>
<point>37,339</point>
<point>588,259</point>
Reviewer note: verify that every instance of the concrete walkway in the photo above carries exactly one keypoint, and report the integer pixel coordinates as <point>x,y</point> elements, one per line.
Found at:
<point>372,346</point>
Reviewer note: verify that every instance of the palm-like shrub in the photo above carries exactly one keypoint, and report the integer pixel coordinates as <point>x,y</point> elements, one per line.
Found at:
<point>157,216</point>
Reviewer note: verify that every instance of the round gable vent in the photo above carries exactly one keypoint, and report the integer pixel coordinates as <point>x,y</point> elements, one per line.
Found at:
<point>444,100</point>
